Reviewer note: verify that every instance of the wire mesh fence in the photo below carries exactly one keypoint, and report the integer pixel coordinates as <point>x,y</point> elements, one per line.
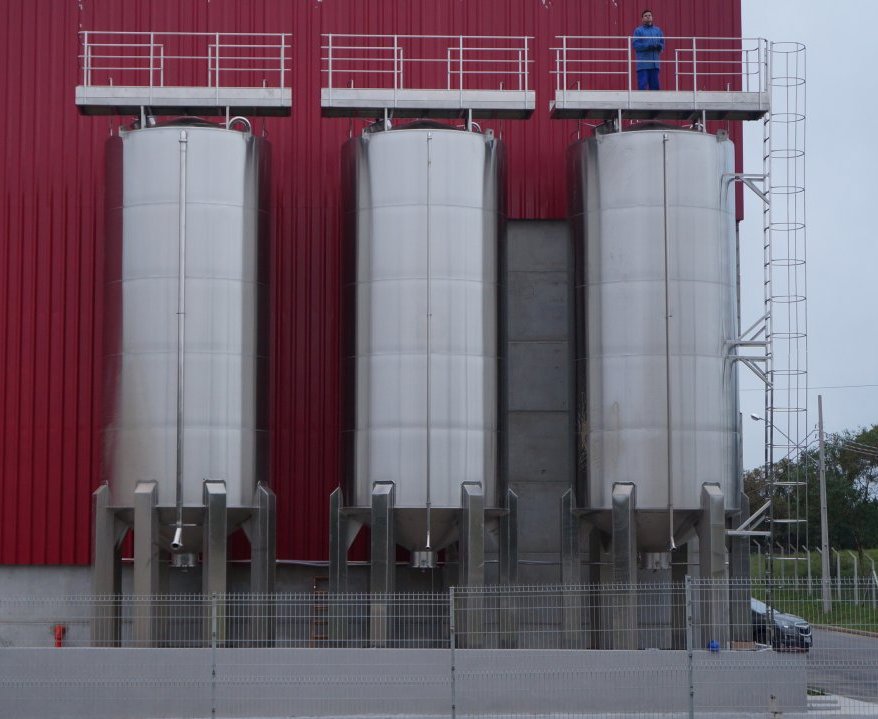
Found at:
<point>694,648</point>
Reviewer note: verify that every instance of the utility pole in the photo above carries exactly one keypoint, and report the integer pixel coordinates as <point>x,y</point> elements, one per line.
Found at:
<point>824,524</point>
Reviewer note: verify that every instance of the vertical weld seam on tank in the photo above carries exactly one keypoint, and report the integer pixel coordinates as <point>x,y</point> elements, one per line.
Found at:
<point>429,317</point>
<point>668,340</point>
<point>181,336</point>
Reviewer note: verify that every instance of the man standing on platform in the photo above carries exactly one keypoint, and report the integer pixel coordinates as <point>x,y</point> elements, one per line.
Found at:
<point>648,43</point>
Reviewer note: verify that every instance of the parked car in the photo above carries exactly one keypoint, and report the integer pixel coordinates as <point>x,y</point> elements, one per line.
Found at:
<point>790,632</point>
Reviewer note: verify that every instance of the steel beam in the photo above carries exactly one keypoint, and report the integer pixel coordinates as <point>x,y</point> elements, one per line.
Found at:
<point>739,574</point>
<point>472,535</point>
<point>509,541</point>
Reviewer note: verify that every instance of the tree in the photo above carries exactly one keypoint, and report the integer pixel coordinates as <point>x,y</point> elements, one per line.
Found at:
<point>851,490</point>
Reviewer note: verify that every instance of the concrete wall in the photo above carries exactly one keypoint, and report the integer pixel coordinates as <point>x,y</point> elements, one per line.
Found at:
<point>538,406</point>
<point>134,683</point>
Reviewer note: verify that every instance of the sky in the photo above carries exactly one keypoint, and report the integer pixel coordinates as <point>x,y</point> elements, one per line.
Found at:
<point>841,195</point>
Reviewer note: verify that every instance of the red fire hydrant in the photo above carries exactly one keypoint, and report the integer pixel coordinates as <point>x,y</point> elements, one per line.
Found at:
<point>59,630</point>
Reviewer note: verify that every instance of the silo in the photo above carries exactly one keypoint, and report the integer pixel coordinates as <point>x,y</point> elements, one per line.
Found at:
<point>653,229</point>
<point>423,226</point>
<point>185,429</point>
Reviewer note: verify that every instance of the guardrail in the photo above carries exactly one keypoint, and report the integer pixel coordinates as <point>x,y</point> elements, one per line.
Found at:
<point>163,59</point>
<point>608,62</point>
<point>426,62</point>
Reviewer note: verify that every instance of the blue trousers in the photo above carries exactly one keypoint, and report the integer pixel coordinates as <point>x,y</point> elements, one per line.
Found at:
<point>648,79</point>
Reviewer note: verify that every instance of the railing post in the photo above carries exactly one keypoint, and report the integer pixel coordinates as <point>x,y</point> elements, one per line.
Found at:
<point>856,578</point>
<point>453,642</point>
<point>689,640</point>
<point>283,57</point>
<point>87,59</point>
<point>564,67</point>
<point>526,59</point>
<point>694,70</point>
<point>395,68</point>
<point>151,56</point>
<point>218,53</point>
<point>329,68</point>
<point>460,68</point>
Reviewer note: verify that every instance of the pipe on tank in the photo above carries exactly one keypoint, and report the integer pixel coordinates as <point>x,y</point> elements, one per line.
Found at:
<point>177,541</point>
<point>668,340</point>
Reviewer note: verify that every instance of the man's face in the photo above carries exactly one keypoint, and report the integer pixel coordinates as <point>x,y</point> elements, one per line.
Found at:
<point>647,18</point>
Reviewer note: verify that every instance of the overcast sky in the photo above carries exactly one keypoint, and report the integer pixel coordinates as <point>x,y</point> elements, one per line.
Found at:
<point>841,203</point>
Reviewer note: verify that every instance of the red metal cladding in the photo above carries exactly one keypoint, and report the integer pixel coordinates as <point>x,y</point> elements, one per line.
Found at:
<point>52,201</point>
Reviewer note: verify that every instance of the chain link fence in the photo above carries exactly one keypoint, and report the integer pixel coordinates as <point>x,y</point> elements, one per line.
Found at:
<point>697,648</point>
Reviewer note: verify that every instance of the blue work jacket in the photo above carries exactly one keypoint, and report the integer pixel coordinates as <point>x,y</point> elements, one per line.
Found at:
<point>648,43</point>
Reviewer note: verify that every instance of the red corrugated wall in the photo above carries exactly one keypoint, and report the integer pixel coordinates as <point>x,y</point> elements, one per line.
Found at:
<point>51,218</point>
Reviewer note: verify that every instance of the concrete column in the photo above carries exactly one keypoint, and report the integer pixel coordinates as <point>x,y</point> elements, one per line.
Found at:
<point>382,577</point>
<point>106,571</point>
<point>713,594</point>
<point>624,552</point>
<point>146,563</point>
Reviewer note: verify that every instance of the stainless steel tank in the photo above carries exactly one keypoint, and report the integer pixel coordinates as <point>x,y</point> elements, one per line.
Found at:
<point>656,393</point>
<point>206,198</point>
<point>420,361</point>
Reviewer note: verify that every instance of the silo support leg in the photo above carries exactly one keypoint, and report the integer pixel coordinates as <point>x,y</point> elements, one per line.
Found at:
<point>570,568</point>
<point>472,563</point>
<point>338,547</point>
<point>263,562</point>
<point>338,563</point>
<point>382,579</point>
<point>712,559</point>
<point>509,570</point>
<point>739,574</point>
<point>509,541</point>
<point>146,562</point>
<point>592,553</point>
<point>106,577</point>
<point>625,566</point>
<point>214,563</point>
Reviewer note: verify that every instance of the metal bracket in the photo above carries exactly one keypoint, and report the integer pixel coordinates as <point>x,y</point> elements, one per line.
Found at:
<point>749,179</point>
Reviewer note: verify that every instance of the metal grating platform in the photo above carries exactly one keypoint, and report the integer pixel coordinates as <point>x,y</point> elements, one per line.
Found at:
<point>341,102</point>
<point>659,105</point>
<point>93,100</point>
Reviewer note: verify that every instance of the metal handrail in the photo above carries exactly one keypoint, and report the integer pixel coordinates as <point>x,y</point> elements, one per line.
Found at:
<point>463,57</point>
<point>747,61</point>
<point>146,55</point>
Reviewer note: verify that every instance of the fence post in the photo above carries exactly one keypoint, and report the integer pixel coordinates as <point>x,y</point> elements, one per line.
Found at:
<point>453,642</point>
<point>213,633</point>
<point>689,637</point>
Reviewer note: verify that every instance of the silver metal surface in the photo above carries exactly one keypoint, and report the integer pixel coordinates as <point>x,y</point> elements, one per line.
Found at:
<point>420,353</point>
<point>509,540</point>
<point>618,217</point>
<point>714,599</point>
<point>472,538</point>
<point>224,352</point>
